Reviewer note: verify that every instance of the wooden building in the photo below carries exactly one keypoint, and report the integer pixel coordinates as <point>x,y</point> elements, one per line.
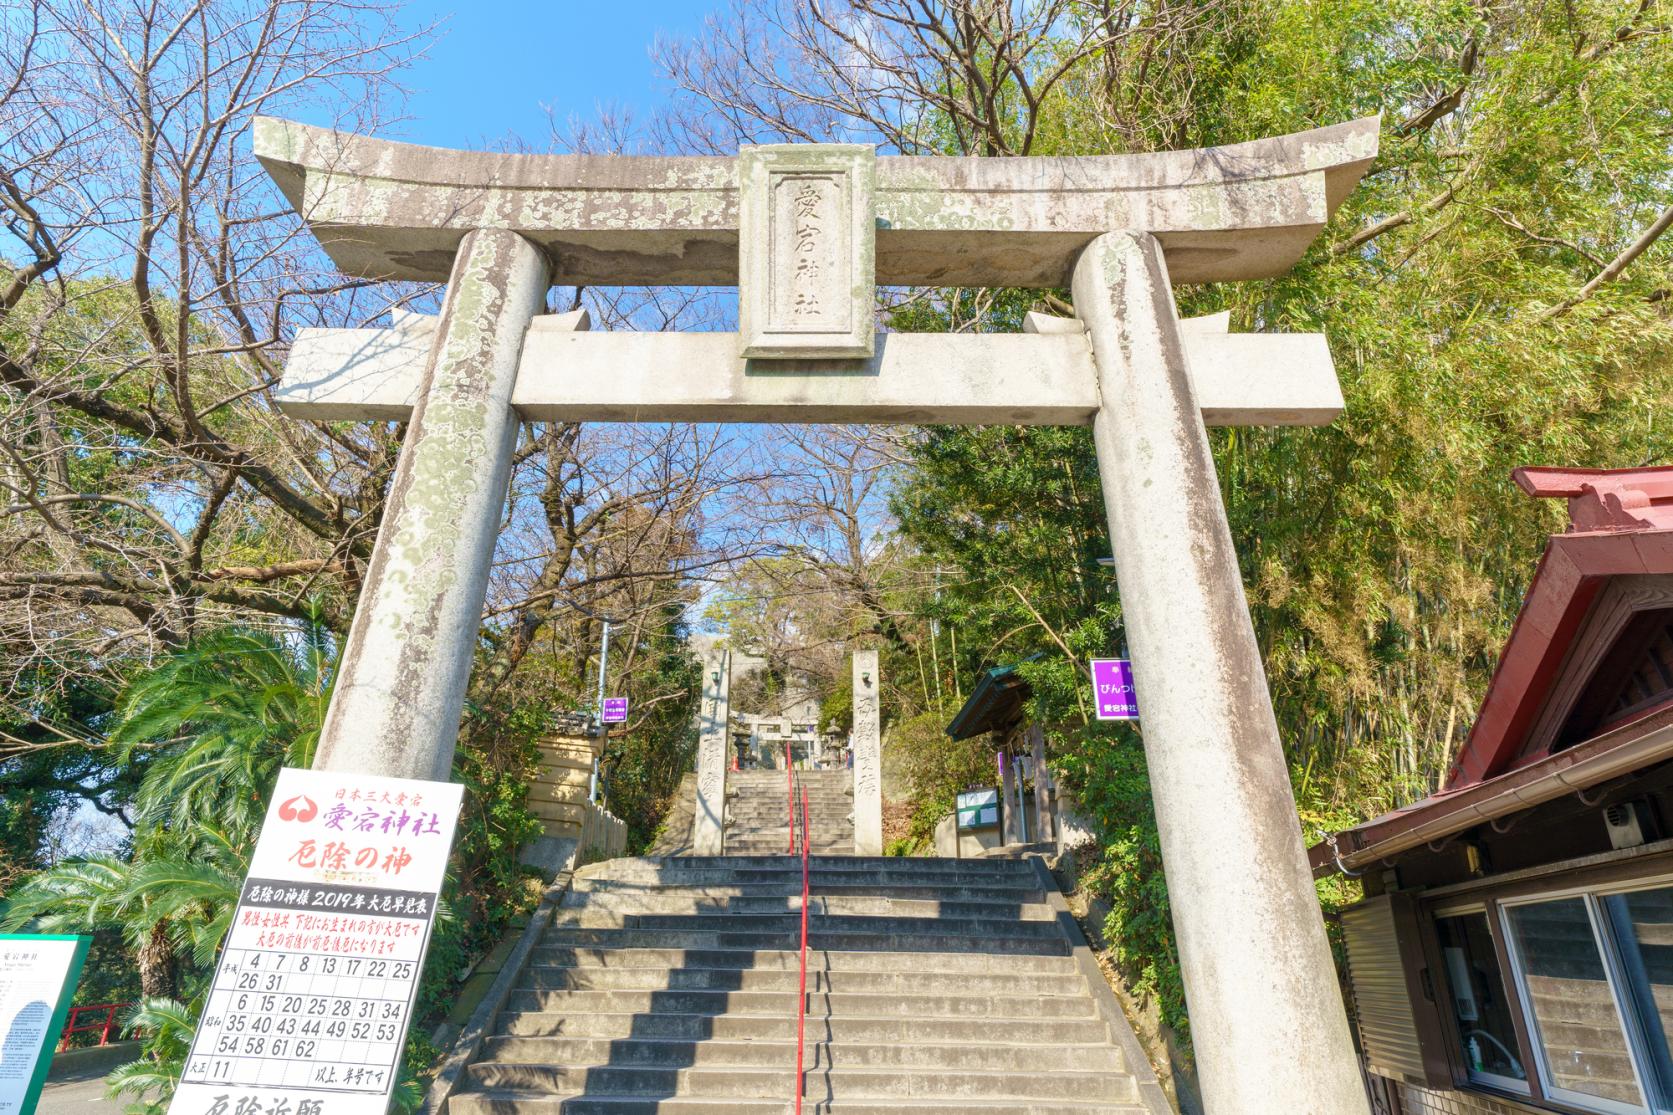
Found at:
<point>1027,792</point>
<point>1514,951</point>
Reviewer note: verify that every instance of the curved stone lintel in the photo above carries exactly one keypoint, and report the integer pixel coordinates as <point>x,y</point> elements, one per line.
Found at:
<point>396,210</point>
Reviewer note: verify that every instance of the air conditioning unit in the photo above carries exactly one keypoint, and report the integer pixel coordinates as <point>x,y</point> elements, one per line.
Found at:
<point>1630,823</point>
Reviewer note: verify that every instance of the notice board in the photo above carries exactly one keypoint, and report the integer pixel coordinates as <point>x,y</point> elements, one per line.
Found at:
<point>317,978</point>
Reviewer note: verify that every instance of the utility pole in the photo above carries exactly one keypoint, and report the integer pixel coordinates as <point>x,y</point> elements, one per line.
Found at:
<point>598,709</point>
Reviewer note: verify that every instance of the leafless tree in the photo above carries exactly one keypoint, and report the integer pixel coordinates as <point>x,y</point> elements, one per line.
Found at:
<point>151,281</point>
<point>959,77</point>
<point>147,484</point>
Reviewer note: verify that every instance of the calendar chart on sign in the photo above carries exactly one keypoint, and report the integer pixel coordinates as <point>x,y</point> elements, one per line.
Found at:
<point>313,990</point>
<point>315,985</point>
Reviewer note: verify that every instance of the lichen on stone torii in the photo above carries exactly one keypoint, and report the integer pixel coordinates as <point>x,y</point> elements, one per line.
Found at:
<point>386,210</point>
<point>1270,1032</point>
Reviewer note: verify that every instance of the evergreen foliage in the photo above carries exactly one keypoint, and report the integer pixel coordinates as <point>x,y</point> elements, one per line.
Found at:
<point>1385,555</point>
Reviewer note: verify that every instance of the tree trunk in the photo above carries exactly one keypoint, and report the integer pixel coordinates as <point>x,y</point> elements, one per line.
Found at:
<point>159,968</point>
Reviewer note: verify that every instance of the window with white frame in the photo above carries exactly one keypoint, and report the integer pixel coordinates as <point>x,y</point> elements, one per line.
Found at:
<point>1593,975</point>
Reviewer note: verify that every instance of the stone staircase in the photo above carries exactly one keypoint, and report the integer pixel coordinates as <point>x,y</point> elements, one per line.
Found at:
<point>667,984</point>
<point>756,808</point>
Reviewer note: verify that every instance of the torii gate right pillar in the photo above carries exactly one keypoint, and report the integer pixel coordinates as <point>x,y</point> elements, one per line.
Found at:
<point>1267,1021</point>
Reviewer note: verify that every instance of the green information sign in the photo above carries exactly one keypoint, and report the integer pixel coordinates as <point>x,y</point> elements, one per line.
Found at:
<point>38,974</point>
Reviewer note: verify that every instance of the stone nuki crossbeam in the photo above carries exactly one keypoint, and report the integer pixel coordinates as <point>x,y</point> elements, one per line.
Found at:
<point>1043,376</point>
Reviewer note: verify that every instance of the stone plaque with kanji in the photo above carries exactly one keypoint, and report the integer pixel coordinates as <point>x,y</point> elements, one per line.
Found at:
<point>806,271</point>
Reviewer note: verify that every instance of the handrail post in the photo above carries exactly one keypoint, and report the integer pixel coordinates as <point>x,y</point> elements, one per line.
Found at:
<point>790,806</point>
<point>801,994</point>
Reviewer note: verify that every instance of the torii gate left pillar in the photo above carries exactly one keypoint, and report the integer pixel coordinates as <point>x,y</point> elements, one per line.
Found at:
<point>823,224</point>
<point>400,690</point>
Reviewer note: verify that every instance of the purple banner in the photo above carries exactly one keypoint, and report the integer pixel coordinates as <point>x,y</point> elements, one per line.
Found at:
<point>1112,689</point>
<point>615,710</point>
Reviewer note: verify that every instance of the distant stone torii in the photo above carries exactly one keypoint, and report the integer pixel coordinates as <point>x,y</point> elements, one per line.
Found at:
<point>806,232</point>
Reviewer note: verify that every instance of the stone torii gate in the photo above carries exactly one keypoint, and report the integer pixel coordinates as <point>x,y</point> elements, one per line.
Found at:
<point>806,232</point>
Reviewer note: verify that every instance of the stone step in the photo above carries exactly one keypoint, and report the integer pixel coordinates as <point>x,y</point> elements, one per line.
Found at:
<point>911,982</point>
<point>789,871</point>
<point>669,985</point>
<point>522,1103</point>
<point>926,892</point>
<point>774,806</point>
<point>830,810</point>
<point>665,1053</point>
<point>975,964</point>
<point>782,1027</point>
<point>840,1082</point>
<point>998,949</point>
<point>821,1004</point>
<point>1008,868</point>
<point>836,806</point>
<point>675,902</point>
<point>988,923</point>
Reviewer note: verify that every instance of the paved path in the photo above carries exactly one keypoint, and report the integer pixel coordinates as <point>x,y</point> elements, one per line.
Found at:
<point>82,1094</point>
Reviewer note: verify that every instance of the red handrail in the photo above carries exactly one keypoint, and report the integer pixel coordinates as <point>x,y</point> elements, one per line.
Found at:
<point>105,1026</point>
<point>801,994</point>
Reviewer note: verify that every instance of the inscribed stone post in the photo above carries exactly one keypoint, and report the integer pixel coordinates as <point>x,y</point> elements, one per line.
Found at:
<point>868,755</point>
<point>708,827</point>
<point>1252,946</point>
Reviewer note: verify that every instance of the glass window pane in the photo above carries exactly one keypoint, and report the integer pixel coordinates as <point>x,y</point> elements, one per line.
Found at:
<point>1643,926</point>
<point>1486,1031</point>
<point>1567,987</point>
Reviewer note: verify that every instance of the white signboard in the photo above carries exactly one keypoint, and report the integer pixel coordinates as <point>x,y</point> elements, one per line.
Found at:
<point>37,977</point>
<point>315,988</point>
<point>978,809</point>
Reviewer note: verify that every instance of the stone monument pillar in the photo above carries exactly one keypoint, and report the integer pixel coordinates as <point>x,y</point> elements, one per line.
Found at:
<point>868,755</point>
<point>708,827</point>
<point>396,705</point>
<point>1257,969</point>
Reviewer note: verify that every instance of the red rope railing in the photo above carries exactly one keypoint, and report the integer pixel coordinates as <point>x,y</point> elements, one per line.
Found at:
<point>801,994</point>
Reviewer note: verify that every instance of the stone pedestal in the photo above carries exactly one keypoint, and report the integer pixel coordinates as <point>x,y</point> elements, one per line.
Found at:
<point>708,827</point>
<point>868,755</point>
<point>1266,1012</point>
<point>396,705</point>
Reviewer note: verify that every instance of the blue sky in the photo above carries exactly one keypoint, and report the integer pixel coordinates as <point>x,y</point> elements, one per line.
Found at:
<point>497,62</point>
